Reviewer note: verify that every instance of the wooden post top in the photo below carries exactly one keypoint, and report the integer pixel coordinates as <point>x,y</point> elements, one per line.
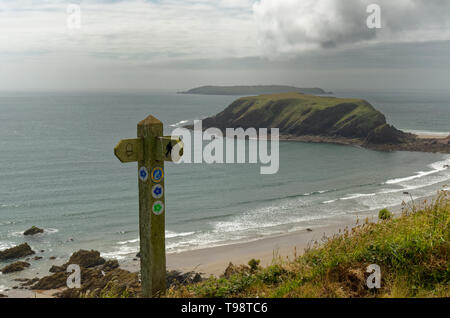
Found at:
<point>150,120</point>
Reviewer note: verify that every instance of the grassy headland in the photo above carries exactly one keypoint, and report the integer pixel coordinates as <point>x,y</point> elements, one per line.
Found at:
<point>310,118</point>
<point>298,114</point>
<point>412,251</point>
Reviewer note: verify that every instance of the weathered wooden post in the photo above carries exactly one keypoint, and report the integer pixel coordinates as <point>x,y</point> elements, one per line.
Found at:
<point>150,150</point>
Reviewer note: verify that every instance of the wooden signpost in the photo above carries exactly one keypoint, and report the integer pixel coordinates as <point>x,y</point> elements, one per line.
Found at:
<point>150,150</point>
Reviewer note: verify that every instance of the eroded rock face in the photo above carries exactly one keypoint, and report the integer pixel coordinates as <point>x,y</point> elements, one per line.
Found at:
<point>95,283</point>
<point>386,134</point>
<point>15,267</point>
<point>16,252</point>
<point>54,281</point>
<point>33,230</point>
<point>110,265</point>
<point>58,269</point>
<point>100,278</point>
<point>86,258</point>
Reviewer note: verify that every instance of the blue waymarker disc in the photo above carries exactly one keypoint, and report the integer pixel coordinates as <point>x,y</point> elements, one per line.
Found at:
<point>157,174</point>
<point>143,174</point>
<point>157,191</point>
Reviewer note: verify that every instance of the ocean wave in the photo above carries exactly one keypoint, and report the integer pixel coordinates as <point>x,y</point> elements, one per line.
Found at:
<point>317,192</point>
<point>9,205</point>
<point>170,234</point>
<point>291,196</point>
<point>358,195</point>
<point>5,245</point>
<point>121,253</point>
<point>128,242</point>
<point>422,179</point>
<point>128,247</point>
<point>436,166</point>
<point>259,220</point>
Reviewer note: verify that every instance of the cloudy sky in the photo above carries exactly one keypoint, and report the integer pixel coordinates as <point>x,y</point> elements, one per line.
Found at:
<point>178,44</point>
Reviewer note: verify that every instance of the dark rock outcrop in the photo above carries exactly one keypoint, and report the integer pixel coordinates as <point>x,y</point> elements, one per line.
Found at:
<point>33,230</point>
<point>100,278</point>
<point>175,278</point>
<point>16,252</point>
<point>58,269</point>
<point>86,258</point>
<point>95,283</point>
<point>29,282</point>
<point>110,265</point>
<point>15,267</point>
<point>54,281</point>
<point>387,134</point>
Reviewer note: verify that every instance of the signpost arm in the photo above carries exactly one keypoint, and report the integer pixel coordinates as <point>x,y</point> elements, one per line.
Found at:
<point>151,225</point>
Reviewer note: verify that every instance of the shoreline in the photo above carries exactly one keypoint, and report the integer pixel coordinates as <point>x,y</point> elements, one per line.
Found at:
<point>417,142</point>
<point>275,248</point>
<point>280,247</point>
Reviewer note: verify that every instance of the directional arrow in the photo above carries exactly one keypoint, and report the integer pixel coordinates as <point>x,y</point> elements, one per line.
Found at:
<point>129,150</point>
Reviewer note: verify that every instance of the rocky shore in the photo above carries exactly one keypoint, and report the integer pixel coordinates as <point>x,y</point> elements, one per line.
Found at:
<point>98,277</point>
<point>415,143</point>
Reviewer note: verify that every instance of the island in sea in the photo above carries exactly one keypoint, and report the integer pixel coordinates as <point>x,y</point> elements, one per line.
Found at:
<point>253,90</point>
<point>309,118</point>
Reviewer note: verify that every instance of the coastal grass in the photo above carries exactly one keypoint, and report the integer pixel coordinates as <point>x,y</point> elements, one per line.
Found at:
<point>301,113</point>
<point>412,251</point>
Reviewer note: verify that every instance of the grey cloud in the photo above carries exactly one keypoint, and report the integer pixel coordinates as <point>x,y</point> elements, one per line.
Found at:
<point>292,26</point>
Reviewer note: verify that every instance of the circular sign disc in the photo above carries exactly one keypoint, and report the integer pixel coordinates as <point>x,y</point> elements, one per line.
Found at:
<point>143,174</point>
<point>158,208</point>
<point>157,191</point>
<point>157,174</point>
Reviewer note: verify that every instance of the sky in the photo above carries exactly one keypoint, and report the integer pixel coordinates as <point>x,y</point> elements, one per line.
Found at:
<point>179,44</point>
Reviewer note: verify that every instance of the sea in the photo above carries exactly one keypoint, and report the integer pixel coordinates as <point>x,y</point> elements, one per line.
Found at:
<point>58,172</point>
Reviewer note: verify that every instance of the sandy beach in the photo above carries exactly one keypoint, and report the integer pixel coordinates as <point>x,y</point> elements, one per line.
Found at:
<point>214,260</point>
<point>431,135</point>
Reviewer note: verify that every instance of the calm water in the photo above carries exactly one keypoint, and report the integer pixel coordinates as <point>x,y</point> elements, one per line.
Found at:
<point>58,171</point>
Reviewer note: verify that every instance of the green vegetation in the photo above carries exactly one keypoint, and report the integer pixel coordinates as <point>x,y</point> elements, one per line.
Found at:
<point>252,90</point>
<point>298,114</point>
<point>384,214</point>
<point>412,251</point>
